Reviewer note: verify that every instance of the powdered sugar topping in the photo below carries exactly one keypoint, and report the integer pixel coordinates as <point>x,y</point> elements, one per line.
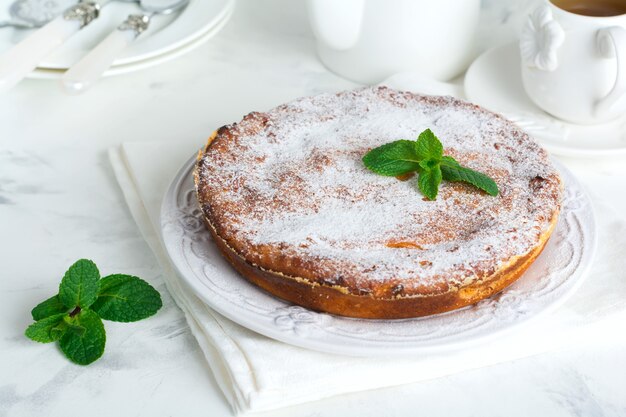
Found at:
<point>292,180</point>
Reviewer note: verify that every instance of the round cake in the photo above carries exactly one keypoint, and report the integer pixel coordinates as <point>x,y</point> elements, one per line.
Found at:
<point>291,206</point>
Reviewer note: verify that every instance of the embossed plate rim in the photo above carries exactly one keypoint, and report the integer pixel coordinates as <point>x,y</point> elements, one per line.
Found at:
<point>277,319</point>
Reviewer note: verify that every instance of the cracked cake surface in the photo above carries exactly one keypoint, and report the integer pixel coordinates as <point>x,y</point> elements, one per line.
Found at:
<point>291,205</point>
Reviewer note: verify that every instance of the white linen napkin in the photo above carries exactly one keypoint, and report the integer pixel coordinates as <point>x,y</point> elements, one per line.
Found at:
<point>257,373</point>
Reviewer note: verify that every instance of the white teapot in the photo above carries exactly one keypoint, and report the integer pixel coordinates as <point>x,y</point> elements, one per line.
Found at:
<point>369,40</point>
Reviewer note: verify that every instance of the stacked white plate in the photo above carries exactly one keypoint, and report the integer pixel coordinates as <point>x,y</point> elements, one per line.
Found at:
<point>168,37</point>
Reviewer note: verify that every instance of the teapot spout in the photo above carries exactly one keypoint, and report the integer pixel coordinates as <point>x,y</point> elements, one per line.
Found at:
<point>336,23</point>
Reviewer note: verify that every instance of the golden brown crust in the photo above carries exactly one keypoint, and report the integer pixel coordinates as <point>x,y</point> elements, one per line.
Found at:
<point>305,280</point>
<point>339,301</point>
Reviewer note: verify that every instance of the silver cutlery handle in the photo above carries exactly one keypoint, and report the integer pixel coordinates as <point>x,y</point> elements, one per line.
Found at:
<point>92,66</point>
<point>24,57</point>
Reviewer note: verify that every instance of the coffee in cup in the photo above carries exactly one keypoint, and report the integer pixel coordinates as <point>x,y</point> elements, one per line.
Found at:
<point>596,8</point>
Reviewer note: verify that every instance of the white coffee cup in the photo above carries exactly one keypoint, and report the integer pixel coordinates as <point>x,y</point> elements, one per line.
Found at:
<point>370,40</point>
<point>573,65</point>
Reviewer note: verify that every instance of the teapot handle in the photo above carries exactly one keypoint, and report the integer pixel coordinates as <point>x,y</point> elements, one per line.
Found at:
<point>337,23</point>
<point>612,43</point>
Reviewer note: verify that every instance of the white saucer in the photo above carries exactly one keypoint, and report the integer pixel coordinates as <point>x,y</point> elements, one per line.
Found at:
<point>166,34</point>
<point>494,81</point>
<point>51,74</point>
<point>556,273</point>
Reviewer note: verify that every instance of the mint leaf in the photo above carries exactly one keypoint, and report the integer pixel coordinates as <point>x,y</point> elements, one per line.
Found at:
<point>79,286</point>
<point>429,164</point>
<point>448,160</point>
<point>429,181</point>
<point>426,157</point>
<point>428,146</point>
<point>71,323</point>
<point>126,298</point>
<point>393,159</point>
<point>477,179</point>
<point>46,330</point>
<point>48,308</point>
<point>84,347</point>
<point>67,318</point>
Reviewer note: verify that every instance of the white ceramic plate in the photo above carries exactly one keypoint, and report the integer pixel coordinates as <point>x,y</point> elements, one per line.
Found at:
<point>166,34</point>
<point>494,81</point>
<point>556,273</point>
<point>51,74</point>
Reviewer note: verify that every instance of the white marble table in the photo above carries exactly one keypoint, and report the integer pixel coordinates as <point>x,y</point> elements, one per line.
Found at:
<point>59,201</point>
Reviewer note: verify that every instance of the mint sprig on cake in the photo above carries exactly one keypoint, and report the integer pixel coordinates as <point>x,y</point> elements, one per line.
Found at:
<point>425,157</point>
